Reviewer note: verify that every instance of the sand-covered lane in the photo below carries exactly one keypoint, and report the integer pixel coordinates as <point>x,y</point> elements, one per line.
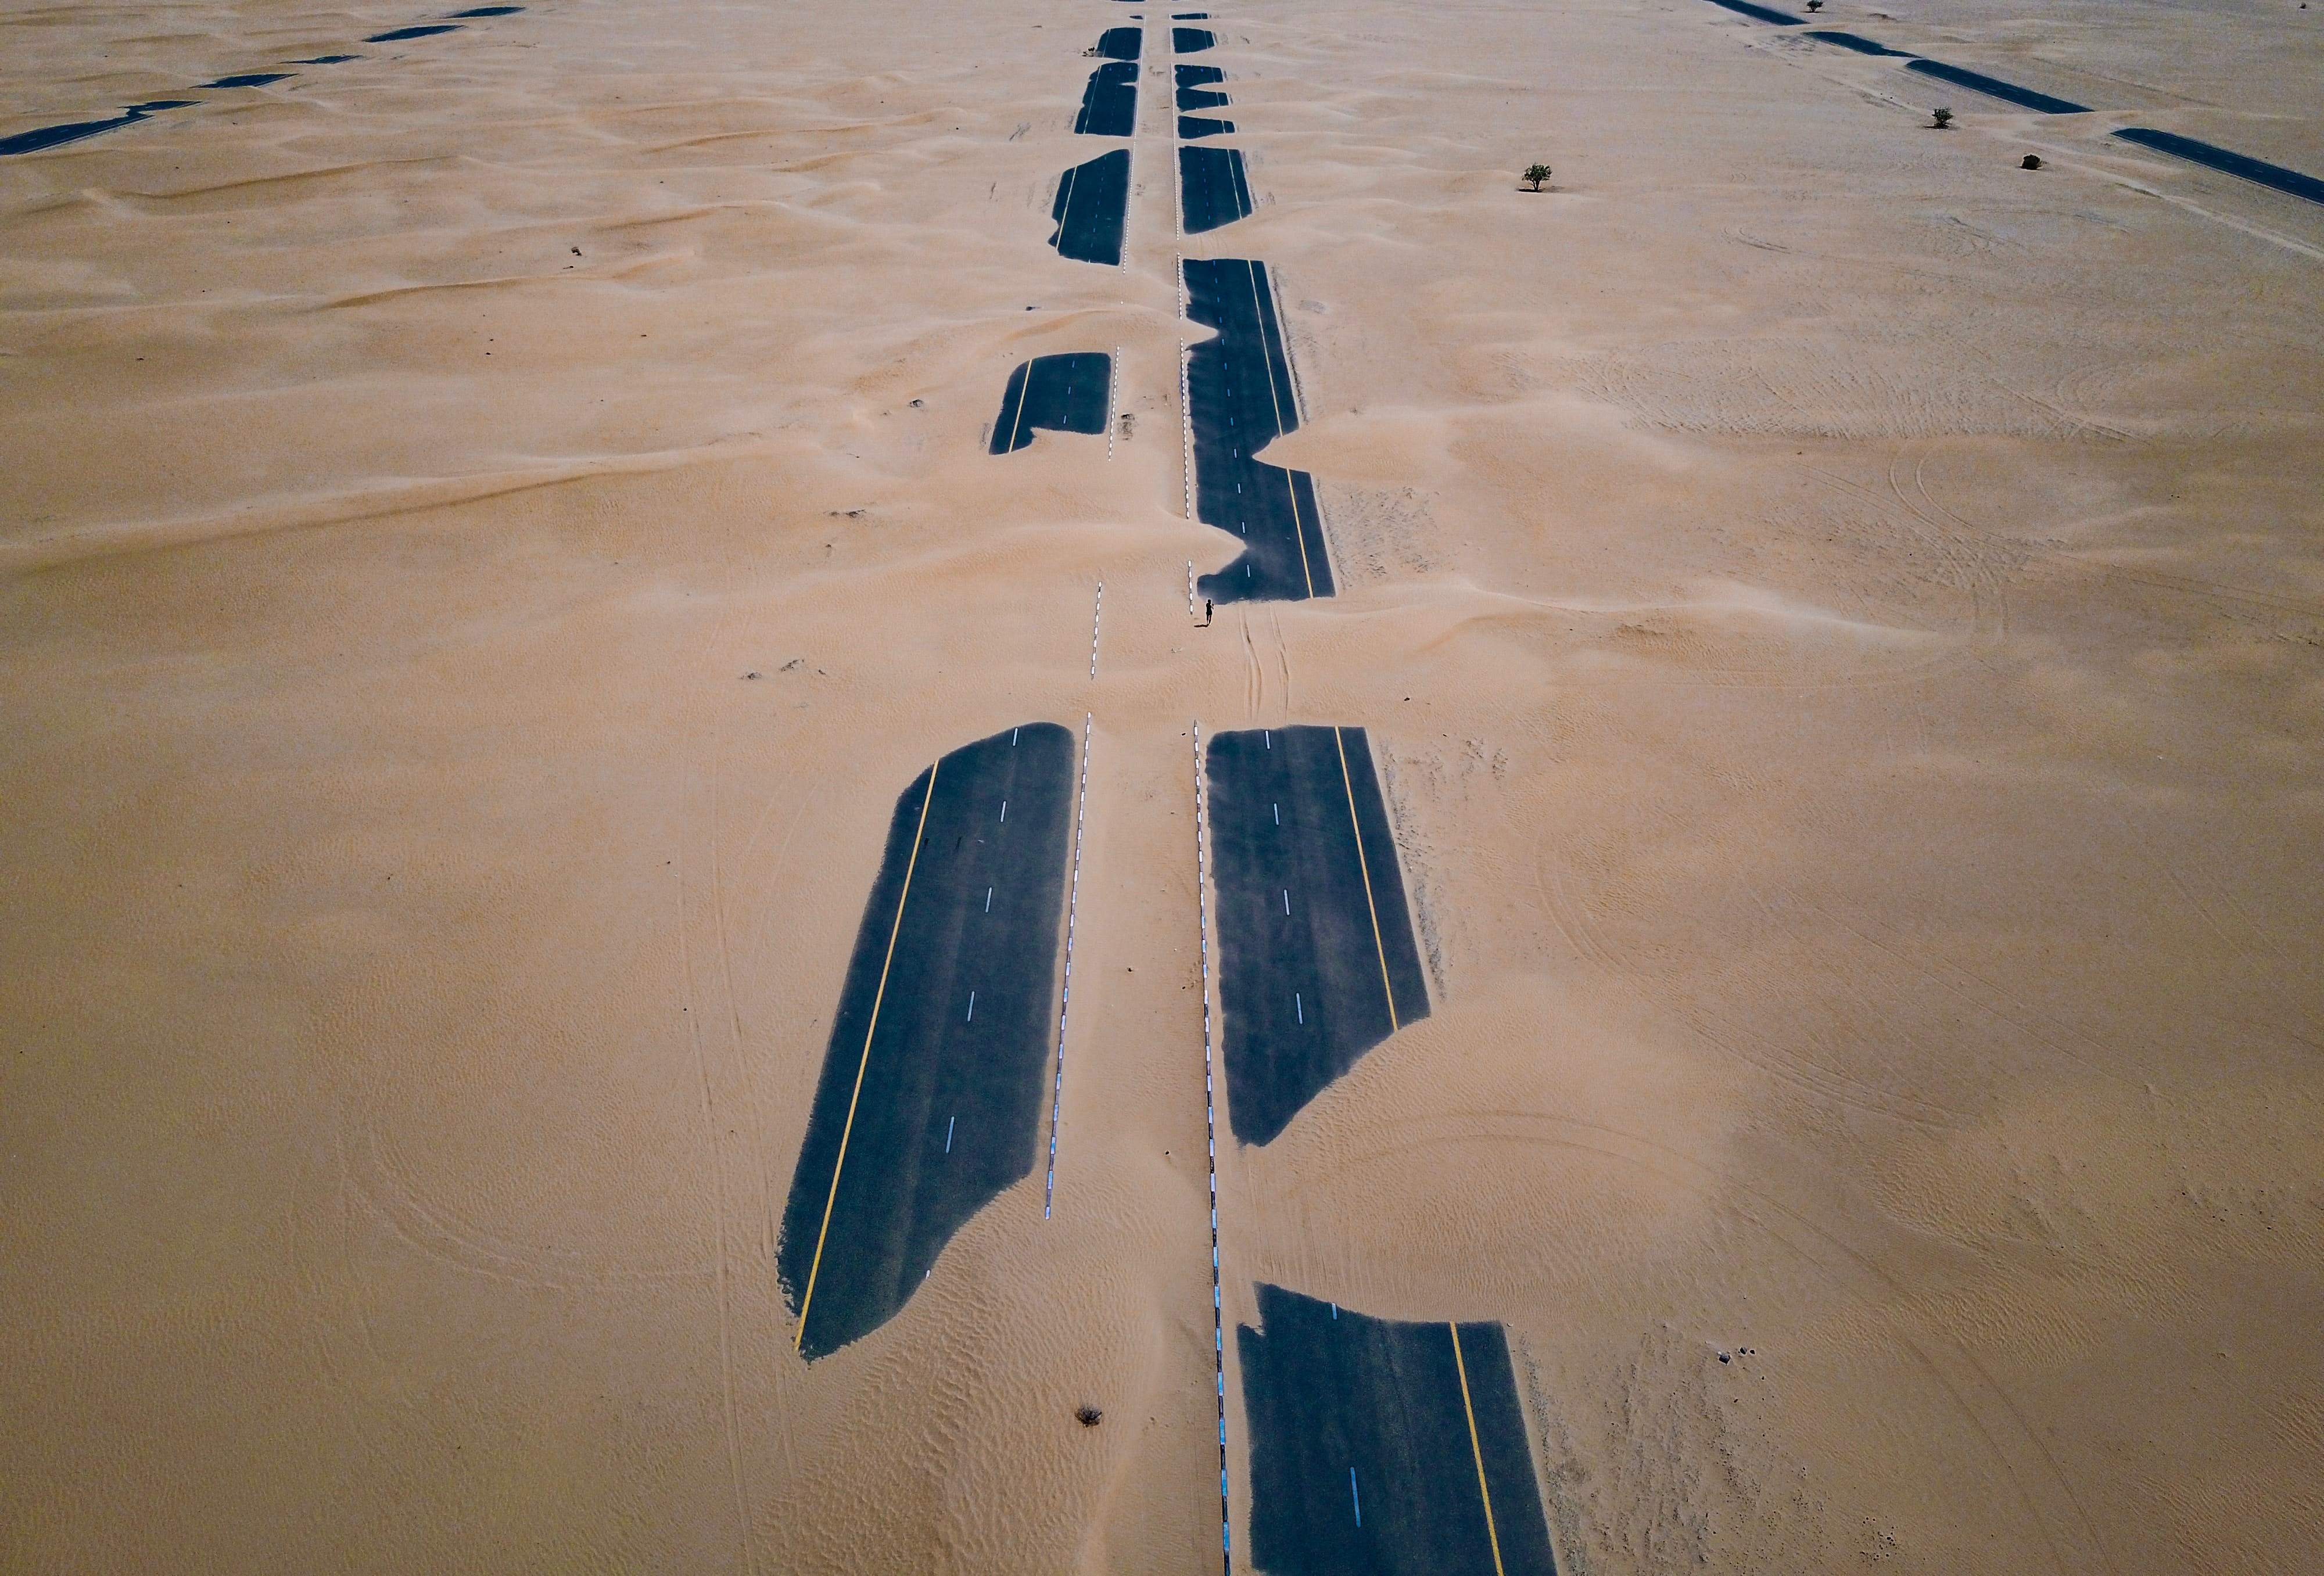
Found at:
<point>968,912</point>
<point>1837,620</point>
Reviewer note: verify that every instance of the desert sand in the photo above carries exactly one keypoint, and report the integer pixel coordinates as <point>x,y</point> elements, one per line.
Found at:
<point>1842,618</point>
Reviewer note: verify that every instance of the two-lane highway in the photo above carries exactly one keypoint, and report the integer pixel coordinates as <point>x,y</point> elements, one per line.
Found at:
<point>929,1102</point>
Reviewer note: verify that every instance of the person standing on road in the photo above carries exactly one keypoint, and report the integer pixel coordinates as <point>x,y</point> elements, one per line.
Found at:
<point>1206,612</point>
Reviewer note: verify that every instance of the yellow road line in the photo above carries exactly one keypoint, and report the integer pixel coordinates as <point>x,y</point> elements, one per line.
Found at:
<point>1476,1449</point>
<point>1018,426</point>
<point>1299,531</point>
<point>816,1266</point>
<point>1266,360</point>
<point>1266,356</point>
<point>1364,865</point>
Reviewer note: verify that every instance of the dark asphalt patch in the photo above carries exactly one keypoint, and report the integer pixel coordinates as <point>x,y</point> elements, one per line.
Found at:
<point>400,34</point>
<point>1240,399</point>
<point>2275,176</point>
<point>490,11</point>
<point>1092,200</point>
<point>2290,182</point>
<point>1065,393</point>
<point>1362,1458</point>
<point>1762,13</point>
<point>327,60</point>
<point>1994,87</point>
<point>1191,126</point>
<point>250,79</point>
<point>1212,187</point>
<point>41,137</point>
<point>1110,102</point>
<point>1862,46</point>
<point>1316,960</point>
<point>929,1102</point>
<point>1120,43</point>
<point>1192,41</point>
<point>1192,92</point>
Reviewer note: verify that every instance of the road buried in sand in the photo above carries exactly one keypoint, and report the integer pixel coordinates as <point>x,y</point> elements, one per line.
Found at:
<point>1063,393</point>
<point>1316,960</point>
<point>1093,200</point>
<point>1110,102</point>
<point>1240,398</point>
<point>1212,187</point>
<point>929,1102</point>
<point>1194,89</point>
<point>1385,1448</point>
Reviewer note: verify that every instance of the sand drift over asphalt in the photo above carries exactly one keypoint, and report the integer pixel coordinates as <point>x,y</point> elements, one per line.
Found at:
<point>1214,191</point>
<point>2258,171</point>
<point>1063,393</point>
<point>45,137</point>
<point>492,531</point>
<point>1110,102</point>
<point>1386,1447</point>
<point>1240,398</point>
<point>1093,200</point>
<point>1994,87</point>
<point>1316,960</point>
<point>929,1102</point>
<point>1194,89</point>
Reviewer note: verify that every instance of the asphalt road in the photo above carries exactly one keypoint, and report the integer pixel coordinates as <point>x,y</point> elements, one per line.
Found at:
<point>41,137</point>
<point>1191,126</point>
<point>1994,87</point>
<point>1192,41</point>
<point>1862,46</point>
<point>1110,102</point>
<point>1316,960</point>
<point>2290,182</point>
<point>1065,393</point>
<point>1380,1448</point>
<point>1192,90</point>
<point>1120,43</point>
<point>1212,187</point>
<point>1241,399</point>
<point>1092,199</point>
<point>2259,171</point>
<point>930,1098</point>
<point>1761,13</point>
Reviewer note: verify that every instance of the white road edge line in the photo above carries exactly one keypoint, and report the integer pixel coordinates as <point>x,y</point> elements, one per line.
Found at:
<point>1211,1127</point>
<point>1073,905</point>
<point>1185,404</point>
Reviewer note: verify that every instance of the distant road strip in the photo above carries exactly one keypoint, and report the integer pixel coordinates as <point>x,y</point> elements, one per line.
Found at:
<point>2227,161</point>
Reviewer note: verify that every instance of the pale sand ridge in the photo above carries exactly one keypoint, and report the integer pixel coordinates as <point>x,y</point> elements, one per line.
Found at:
<point>1838,618</point>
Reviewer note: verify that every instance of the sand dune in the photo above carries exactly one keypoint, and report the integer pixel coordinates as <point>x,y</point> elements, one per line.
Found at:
<point>1837,616</point>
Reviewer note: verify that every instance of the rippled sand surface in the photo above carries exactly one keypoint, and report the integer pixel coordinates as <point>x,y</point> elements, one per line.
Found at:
<point>1840,618</point>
